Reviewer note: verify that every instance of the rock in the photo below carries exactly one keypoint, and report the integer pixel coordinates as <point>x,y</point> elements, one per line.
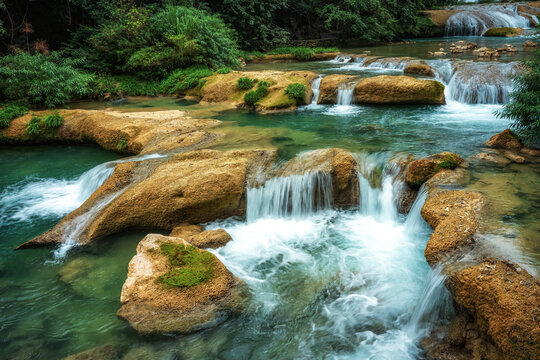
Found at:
<point>104,352</point>
<point>504,302</point>
<point>529,44</point>
<point>419,171</point>
<point>485,53</point>
<point>386,89</point>
<point>143,132</point>
<point>151,306</point>
<point>492,158</point>
<point>512,156</point>
<point>418,68</point>
<point>439,18</point>
<point>438,53</point>
<point>223,88</point>
<point>194,187</point>
<point>186,230</point>
<point>461,47</point>
<point>211,239</point>
<point>505,140</point>
<point>453,216</point>
<point>503,32</point>
<point>328,89</point>
<point>530,151</point>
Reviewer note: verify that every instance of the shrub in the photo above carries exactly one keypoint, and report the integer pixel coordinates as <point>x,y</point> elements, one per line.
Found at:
<point>250,55</point>
<point>245,83</point>
<point>125,85</point>
<point>11,112</point>
<point>189,265</point>
<point>224,70</point>
<point>302,54</point>
<point>122,145</point>
<point>44,80</point>
<point>53,121</point>
<point>251,97</point>
<point>34,126</point>
<point>296,91</point>
<point>185,79</point>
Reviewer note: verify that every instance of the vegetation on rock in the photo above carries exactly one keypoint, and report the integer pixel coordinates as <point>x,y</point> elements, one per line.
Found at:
<point>296,91</point>
<point>34,126</point>
<point>11,112</point>
<point>502,32</point>
<point>53,121</point>
<point>189,265</point>
<point>245,83</point>
<point>251,97</point>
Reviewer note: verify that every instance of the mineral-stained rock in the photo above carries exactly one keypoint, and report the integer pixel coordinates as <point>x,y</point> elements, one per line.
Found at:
<point>504,299</point>
<point>328,89</point>
<point>505,140</point>
<point>186,230</point>
<point>195,187</point>
<point>387,89</point>
<point>418,68</point>
<point>419,171</point>
<point>453,216</point>
<point>211,239</point>
<point>151,306</point>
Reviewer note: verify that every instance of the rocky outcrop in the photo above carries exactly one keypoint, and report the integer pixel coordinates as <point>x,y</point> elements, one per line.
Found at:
<point>387,89</point>
<point>507,145</point>
<point>223,88</point>
<point>439,18</point>
<point>505,140</point>
<point>328,89</point>
<point>127,132</point>
<point>503,32</point>
<point>195,187</point>
<point>190,301</point>
<point>418,68</point>
<point>529,44</point>
<point>461,46</point>
<point>211,239</point>
<point>421,170</point>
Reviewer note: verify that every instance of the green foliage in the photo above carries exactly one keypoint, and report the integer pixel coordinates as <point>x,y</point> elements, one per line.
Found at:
<point>34,126</point>
<point>250,55</point>
<point>224,70</point>
<point>53,121</point>
<point>122,145</point>
<point>244,83</point>
<point>185,79</point>
<point>524,106</point>
<point>11,112</point>
<point>448,162</point>
<point>125,85</point>
<point>296,91</point>
<point>43,80</point>
<point>189,265</point>
<point>253,96</point>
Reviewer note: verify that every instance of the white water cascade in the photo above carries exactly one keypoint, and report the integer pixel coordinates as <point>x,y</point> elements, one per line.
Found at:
<point>321,277</point>
<point>55,197</point>
<point>315,87</point>
<point>345,94</point>
<point>477,19</point>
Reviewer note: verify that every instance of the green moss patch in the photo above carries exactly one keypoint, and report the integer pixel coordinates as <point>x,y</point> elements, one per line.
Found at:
<point>501,32</point>
<point>189,265</point>
<point>447,162</point>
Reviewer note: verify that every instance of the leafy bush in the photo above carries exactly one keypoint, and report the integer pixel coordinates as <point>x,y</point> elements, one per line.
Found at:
<point>251,97</point>
<point>34,126</point>
<point>53,121</point>
<point>250,55</point>
<point>264,83</point>
<point>189,265</point>
<point>125,85</point>
<point>296,91</point>
<point>224,70</point>
<point>302,54</point>
<point>185,79</point>
<point>11,112</point>
<point>245,83</point>
<point>43,80</point>
<point>524,109</point>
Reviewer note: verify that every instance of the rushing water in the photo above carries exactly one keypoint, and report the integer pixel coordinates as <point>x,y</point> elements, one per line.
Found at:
<point>324,282</point>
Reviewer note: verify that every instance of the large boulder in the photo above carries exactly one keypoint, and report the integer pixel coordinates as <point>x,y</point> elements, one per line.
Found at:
<point>387,89</point>
<point>421,170</point>
<point>328,89</point>
<point>505,140</point>
<point>438,19</point>
<point>127,132</point>
<point>173,287</point>
<point>418,68</point>
<point>504,300</point>
<point>223,88</point>
<point>194,187</point>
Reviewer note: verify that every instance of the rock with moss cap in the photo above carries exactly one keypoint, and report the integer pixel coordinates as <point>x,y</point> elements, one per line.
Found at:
<point>419,171</point>
<point>174,287</point>
<point>506,140</point>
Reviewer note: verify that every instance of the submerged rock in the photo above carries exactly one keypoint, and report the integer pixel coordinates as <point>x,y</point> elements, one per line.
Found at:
<point>152,304</point>
<point>387,89</point>
<point>104,352</point>
<point>419,171</point>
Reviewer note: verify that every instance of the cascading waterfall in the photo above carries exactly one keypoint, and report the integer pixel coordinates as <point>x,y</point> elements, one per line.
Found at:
<point>55,197</point>
<point>345,94</point>
<point>476,20</point>
<point>294,196</point>
<point>315,87</point>
<point>357,278</point>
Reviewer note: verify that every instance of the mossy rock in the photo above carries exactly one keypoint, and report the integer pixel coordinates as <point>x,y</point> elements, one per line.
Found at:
<point>503,32</point>
<point>421,170</point>
<point>189,265</point>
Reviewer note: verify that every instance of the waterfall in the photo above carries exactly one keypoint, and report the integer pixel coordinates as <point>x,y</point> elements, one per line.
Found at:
<point>345,94</point>
<point>477,19</point>
<point>315,86</point>
<point>33,197</point>
<point>294,196</point>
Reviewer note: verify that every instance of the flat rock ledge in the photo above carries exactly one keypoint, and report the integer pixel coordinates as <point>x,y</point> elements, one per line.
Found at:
<point>496,301</point>
<point>152,307</point>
